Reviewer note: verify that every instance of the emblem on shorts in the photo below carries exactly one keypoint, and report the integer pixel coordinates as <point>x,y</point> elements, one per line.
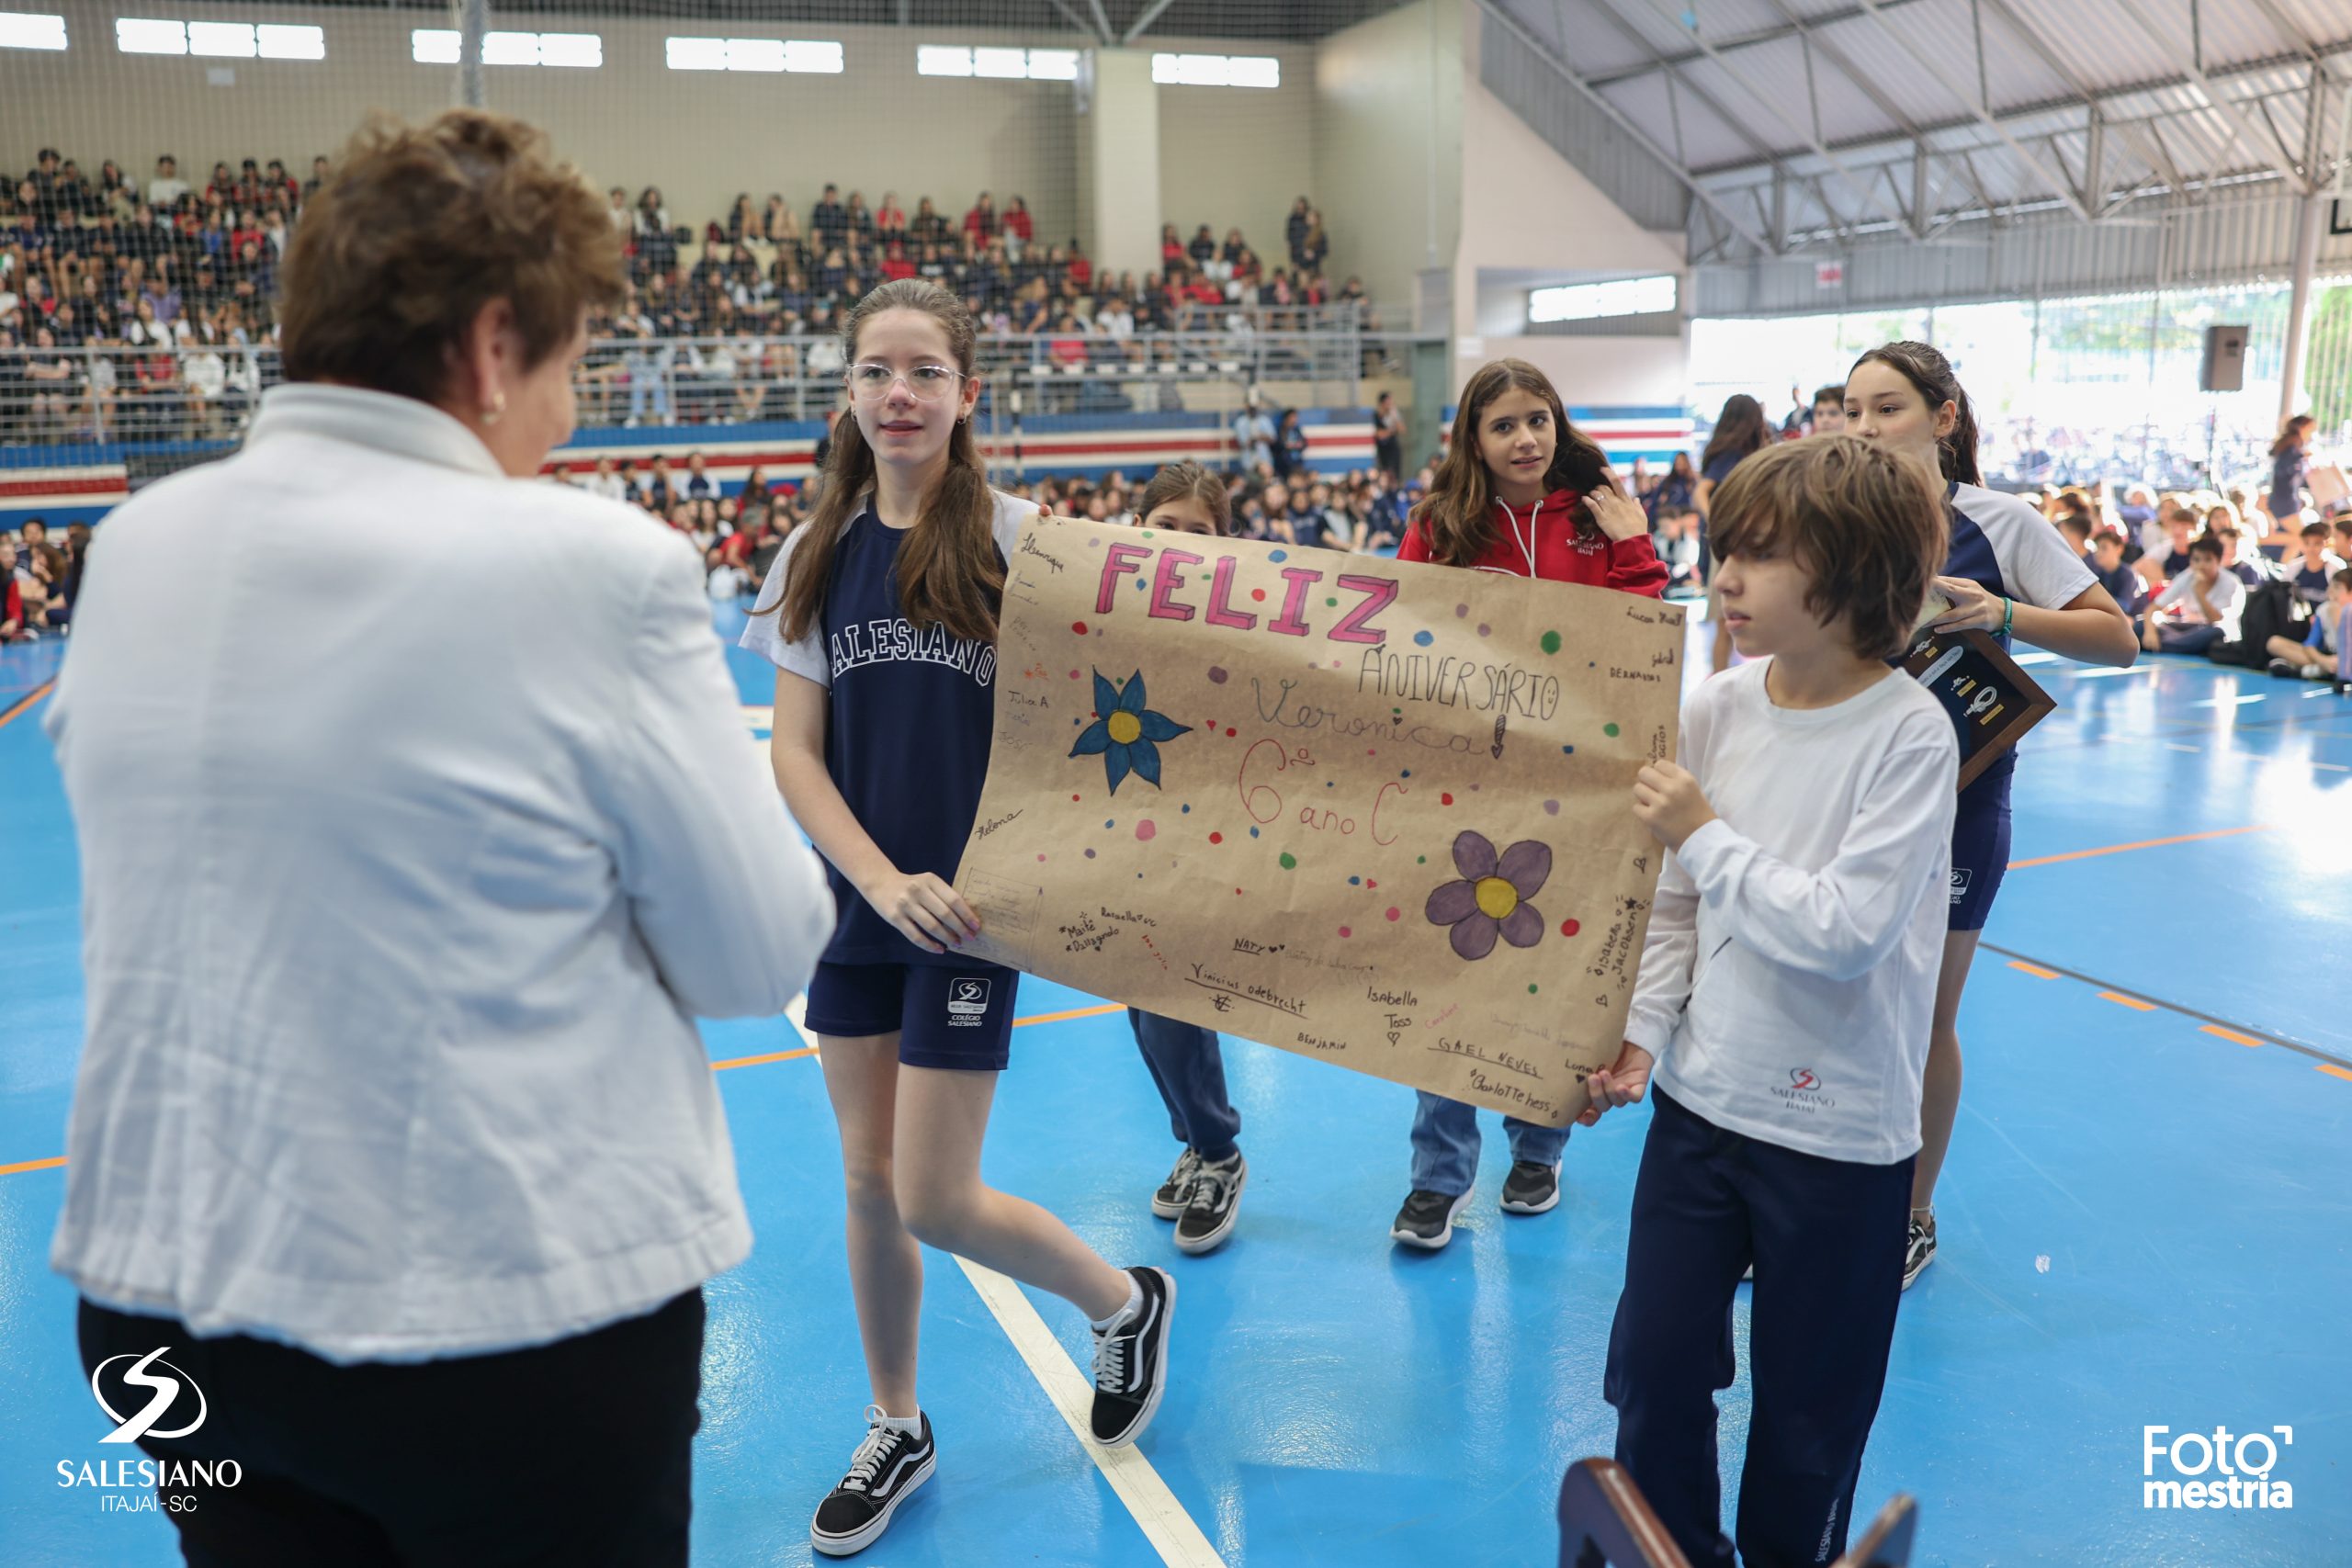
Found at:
<point>968,1002</point>
<point>1959,879</point>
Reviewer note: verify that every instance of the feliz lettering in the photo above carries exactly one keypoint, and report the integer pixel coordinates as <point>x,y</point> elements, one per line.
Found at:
<point>1169,575</point>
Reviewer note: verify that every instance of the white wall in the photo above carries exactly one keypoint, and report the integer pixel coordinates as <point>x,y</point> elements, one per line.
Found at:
<point>1388,145</point>
<point>1526,207</point>
<point>1597,371</point>
<point>1238,156</point>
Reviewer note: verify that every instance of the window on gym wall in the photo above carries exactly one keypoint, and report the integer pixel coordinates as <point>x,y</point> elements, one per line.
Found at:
<point>438,46</point>
<point>32,30</point>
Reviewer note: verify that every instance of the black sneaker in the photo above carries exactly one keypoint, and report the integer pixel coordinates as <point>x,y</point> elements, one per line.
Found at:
<point>886,1467</point>
<point>2285,668</point>
<point>1921,1250</point>
<point>1427,1219</point>
<point>1177,1190</point>
<point>1531,1189</point>
<point>1216,1204</point>
<point>1131,1362</point>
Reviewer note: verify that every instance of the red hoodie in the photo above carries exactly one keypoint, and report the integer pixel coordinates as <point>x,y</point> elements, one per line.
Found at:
<point>1541,541</point>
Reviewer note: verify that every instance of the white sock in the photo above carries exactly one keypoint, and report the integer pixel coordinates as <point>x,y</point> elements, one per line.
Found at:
<point>912,1426</point>
<point>1134,1305</point>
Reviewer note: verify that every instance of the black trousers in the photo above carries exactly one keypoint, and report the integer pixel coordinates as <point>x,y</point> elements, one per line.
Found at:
<point>1827,1238</point>
<point>578,1452</point>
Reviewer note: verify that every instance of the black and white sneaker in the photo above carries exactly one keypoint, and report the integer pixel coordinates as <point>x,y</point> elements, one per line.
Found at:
<point>1175,1192</point>
<point>1427,1219</point>
<point>1131,1362</point>
<point>886,1467</point>
<point>1531,1189</point>
<point>1216,1204</point>
<point>2285,669</point>
<point>1921,1250</point>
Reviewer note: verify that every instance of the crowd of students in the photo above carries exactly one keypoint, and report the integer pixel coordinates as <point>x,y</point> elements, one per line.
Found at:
<point>150,311</point>
<point>39,580</point>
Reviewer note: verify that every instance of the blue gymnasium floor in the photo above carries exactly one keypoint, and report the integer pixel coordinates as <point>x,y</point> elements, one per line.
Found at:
<point>2144,1223</point>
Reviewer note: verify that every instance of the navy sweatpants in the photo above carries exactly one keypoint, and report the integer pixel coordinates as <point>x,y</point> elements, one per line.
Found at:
<point>1827,1238</point>
<point>1188,1068</point>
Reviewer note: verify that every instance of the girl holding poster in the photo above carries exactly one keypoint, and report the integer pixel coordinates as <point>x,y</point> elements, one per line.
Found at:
<point>2009,574</point>
<point>1202,1193</point>
<point>881,619</point>
<point>1523,493</point>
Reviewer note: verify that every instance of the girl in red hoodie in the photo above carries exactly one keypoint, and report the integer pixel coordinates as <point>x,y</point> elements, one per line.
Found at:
<point>1523,493</point>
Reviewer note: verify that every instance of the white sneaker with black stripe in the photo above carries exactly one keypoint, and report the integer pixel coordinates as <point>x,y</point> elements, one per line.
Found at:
<point>887,1466</point>
<point>1131,1361</point>
<point>1921,1250</point>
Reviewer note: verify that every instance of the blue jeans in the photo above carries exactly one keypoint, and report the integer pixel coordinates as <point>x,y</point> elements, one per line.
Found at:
<point>1445,1143</point>
<point>1188,1067</point>
<point>2196,638</point>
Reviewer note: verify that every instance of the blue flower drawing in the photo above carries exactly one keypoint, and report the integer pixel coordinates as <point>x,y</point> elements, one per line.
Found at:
<point>1127,733</point>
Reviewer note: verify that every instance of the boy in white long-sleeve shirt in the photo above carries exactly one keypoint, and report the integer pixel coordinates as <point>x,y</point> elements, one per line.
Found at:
<point>1783,1005</point>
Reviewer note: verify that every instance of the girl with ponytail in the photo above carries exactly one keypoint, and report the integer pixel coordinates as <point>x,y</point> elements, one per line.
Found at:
<point>881,619</point>
<point>2009,573</point>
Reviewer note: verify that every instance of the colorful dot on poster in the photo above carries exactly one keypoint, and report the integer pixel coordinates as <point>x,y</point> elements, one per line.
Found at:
<point>1569,928</point>
<point>1330,603</point>
<point>1217,675</point>
<point>1073,674</point>
<point>1277,555</point>
<point>1406,774</point>
<point>1229,732</point>
<point>1289,861</point>
<point>1345,931</point>
<point>1608,729</point>
<point>1188,809</point>
<point>1335,664</point>
<point>1073,797</point>
<point>1139,583</point>
<point>1423,639</point>
<point>1110,822</point>
<point>1355,882</point>
<point>1531,990</point>
<point>1371,883</point>
<point>1421,860</point>
<point>1551,643</point>
<point>1147,533</point>
<point>1330,784</point>
<point>1253,832</point>
<point>1090,854</point>
<point>1567,750</point>
<point>1147,830</point>
<point>1484,628</point>
<point>1078,626</point>
<point>1551,808</point>
<point>1092,543</point>
<point>1445,799</point>
<point>1041,859</point>
<point>1217,838</point>
<point>1395,913</point>
<point>1462,612</point>
<point>1258,594</point>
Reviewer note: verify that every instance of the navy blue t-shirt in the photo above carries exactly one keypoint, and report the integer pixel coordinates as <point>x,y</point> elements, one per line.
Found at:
<point>910,714</point>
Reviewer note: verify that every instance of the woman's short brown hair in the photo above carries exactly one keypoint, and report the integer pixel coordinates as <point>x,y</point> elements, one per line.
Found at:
<point>1866,525</point>
<point>417,228</point>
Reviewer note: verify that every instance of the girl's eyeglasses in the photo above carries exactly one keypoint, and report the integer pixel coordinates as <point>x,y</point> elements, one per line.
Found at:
<point>925,383</point>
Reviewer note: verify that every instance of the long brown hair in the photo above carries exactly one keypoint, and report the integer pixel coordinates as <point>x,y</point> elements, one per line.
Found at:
<point>1739,428</point>
<point>1458,514</point>
<point>1924,367</point>
<point>949,572</point>
<point>2290,434</point>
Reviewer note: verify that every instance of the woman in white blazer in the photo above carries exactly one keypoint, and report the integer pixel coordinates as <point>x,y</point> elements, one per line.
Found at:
<point>417,825</point>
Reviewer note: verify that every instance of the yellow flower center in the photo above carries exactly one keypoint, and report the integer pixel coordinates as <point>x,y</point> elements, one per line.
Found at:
<point>1125,727</point>
<point>1496,898</point>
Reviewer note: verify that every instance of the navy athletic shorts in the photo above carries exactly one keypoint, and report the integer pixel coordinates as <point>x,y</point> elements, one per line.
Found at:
<point>1980,851</point>
<point>958,1018</point>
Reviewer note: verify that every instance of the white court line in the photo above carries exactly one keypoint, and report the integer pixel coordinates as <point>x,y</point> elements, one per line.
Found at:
<point>2039,656</point>
<point>2231,702</point>
<point>2178,747</point>
<point>1162,1519</point>
<point>2101,674</point>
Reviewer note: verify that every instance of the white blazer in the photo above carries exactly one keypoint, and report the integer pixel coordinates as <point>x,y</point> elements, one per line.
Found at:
<point>418,821</point>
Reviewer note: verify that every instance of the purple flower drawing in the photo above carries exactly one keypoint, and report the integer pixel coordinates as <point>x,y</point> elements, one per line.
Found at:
<point>1491,899</point>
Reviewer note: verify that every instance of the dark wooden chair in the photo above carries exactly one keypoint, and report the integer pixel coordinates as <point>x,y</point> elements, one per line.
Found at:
<point>1601,1508</point>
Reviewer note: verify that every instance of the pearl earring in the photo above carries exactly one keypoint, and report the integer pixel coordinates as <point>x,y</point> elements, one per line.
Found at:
<point>497,407</point>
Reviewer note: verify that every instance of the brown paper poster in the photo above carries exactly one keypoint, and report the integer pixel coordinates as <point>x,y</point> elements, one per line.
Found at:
<point>1376,814</point>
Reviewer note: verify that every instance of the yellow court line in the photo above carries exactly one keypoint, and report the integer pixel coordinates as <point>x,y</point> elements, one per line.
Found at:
<point>2036,970</point>
<point>2134,1003</point>
<point>2143,844</point>
<point>2231,1034</point>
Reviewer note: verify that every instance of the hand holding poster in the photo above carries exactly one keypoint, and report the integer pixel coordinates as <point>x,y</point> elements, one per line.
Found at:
<point>1370,812</point>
